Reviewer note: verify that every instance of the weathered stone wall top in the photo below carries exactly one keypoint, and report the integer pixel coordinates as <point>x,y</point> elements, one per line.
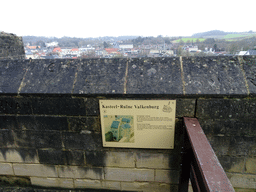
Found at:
<point>11,46</point>
<point>179,76</point>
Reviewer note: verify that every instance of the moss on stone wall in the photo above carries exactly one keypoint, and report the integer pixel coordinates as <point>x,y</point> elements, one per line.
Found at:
<point>14,181</point>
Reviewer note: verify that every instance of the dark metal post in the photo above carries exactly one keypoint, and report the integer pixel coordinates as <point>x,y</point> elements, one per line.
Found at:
<point>186,157</point>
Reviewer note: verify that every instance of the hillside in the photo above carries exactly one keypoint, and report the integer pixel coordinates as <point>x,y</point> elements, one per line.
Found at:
<point>209,33</point>
<point>229,36</point>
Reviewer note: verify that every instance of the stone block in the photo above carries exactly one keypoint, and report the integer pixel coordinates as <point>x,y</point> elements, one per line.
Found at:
<point>156,160</point>
<point>252,150</point>
<point>228,127</point>
<point>11,180</point>
<point>185,107</point>
<point>220,144</point>
<point>6,138</point>
<point>86,183</point>
<point>87,141</point>
<point>226,109</point>
<point>12,47</point>
<point>119,159</point>
<point>92,106</point>
<point>244,190</point>
<point>95,158</point>
<point>213,75</point>
<point>23,138</point>
<point>111,185</point>
<point>167,176</point>
<point>190,189</point>
<point>77,124</point>
<point>84,124</point>
<point>134,186</point>
<point>18,155</point>
<point>97,76</point>
<point>241,145</point>
<point>38,139</point>
<point>51,123</point>
<point>154,76</point>
<point>128,174</point>
<point>81,172</point>
<point>75,157</point>
<point>245,181</point>
<point>232,164</point>
<point>8,122</point>
<point>249,67</point>
<point>14,105</point>
<point>27,122</point>
<point>53,157</point>
<point>36,170</point>
<point>250,165</point>
<point>93,123</point>
<point>6,169</point>
<point>12,73</point>
<point>148,187</point>
<point>52,182</point>
<point>46,139</point>
<point>49,76</point>
<point>58,106</point>
<point>251,128</point>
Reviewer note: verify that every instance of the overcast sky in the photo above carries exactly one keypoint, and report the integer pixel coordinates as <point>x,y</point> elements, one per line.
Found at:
<point>95,18</point>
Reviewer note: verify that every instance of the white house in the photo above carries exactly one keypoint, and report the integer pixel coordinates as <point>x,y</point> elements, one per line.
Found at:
<point>52,44</point>
<point>126,46</point>
<point>250,52</point>
<point>242,53</point>
<point>191,48</point>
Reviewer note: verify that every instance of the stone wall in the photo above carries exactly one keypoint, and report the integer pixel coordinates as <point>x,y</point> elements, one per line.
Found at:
<point>50,131</point>
<point>11,46</point>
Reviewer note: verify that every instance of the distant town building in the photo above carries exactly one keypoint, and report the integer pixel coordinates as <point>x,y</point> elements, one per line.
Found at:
<point>250,52</point>
<point>52,44</point>
<point>86,49</point>
<point>241,53</point>
<point>32,47</point>
<point>126,46</point>
<point>29,55</point>
<point>191,48</point>
<point>154,51</point>
<point>111,52</point>
<point>169,52</point>
<point>57,50</point>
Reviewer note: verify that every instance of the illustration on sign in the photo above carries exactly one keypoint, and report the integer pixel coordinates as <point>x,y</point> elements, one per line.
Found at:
<point>119,128</point>
<point>138,123</point>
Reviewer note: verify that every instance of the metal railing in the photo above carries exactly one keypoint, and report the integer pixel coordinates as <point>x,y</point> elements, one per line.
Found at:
<point>199,162</point>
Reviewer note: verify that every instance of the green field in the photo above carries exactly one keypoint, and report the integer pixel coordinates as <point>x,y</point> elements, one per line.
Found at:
<point>189,39</point>
<point>228,37</point>
<point>231,36</point>
<point>237,37</point>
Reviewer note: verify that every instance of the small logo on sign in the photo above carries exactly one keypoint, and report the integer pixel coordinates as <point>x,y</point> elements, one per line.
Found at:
<point>167,108</point>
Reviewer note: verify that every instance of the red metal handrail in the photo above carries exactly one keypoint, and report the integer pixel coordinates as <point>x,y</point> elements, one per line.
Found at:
<point>199,162</point>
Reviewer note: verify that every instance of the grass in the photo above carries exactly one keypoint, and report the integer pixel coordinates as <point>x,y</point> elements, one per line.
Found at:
<point>230,36</point>
<point>237,37</point>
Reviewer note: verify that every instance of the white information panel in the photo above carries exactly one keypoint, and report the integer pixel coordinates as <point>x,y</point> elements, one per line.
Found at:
<point>138,123</point>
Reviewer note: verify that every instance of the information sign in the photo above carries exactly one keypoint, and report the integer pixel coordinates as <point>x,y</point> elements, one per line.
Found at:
<point>138,123</point>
